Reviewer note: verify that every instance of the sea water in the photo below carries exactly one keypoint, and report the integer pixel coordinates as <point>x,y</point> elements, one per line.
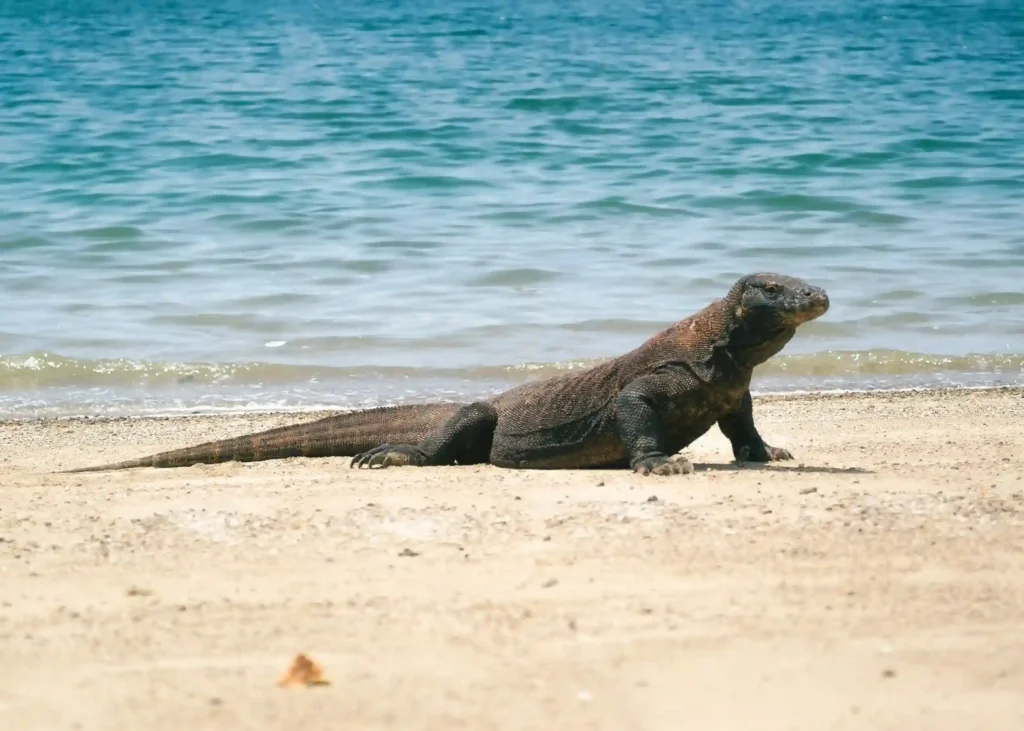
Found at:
<point>249,205</point>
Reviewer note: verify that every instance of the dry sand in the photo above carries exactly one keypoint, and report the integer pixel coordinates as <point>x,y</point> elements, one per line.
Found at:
<point>877,582</point>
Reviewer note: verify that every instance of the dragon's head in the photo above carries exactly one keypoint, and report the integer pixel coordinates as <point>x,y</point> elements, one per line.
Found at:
<point>775,301</point>
<point>767,309</point>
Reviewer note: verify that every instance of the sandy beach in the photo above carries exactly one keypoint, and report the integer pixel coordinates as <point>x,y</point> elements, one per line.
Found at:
<point>875,582</point>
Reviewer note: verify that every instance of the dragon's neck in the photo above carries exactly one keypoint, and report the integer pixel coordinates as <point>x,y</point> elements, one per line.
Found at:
<point>751,345</point>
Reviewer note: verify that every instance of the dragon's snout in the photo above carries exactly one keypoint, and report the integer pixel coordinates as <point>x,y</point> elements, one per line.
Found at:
<point>810,303</point>
<point>817,299</point>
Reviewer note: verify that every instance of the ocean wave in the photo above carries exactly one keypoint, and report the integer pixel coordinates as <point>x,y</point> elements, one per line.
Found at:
<point>43,370</point>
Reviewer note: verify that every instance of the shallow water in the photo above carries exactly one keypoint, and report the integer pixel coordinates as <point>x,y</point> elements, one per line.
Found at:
<point>253,206</point>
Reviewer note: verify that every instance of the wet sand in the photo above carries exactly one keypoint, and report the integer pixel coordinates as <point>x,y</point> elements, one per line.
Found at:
<point>875,582</point>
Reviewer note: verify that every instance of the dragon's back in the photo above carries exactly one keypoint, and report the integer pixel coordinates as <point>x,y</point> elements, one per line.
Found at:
<point>578,405</point>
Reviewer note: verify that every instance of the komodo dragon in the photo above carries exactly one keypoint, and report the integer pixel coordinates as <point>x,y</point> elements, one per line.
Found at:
<point>637,410</point>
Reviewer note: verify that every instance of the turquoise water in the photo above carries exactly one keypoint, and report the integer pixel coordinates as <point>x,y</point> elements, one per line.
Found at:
<point>215,205</point>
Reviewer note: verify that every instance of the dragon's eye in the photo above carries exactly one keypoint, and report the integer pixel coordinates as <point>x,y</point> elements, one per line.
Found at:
<point>771,288</point>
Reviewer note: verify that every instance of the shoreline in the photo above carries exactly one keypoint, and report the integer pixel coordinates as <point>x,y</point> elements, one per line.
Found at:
<point>320,411</point>
<point>138,389</point>
<point>875,581</point>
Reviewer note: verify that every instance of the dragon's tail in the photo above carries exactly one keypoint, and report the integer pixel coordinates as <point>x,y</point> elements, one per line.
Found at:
<point>343,435</point>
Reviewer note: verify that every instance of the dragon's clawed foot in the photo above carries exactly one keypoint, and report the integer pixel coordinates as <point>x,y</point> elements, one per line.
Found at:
<point>762,453</point>
<point>661,465</point>
<point>390,455</point>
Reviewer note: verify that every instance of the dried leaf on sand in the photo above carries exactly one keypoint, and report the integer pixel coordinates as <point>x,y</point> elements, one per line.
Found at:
<point>303,671</point>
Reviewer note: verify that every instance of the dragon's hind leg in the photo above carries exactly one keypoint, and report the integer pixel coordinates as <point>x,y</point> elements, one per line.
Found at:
<point>464,439</point>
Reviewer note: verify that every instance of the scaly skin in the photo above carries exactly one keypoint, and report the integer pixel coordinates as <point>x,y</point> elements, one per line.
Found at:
<point>635,411</point>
